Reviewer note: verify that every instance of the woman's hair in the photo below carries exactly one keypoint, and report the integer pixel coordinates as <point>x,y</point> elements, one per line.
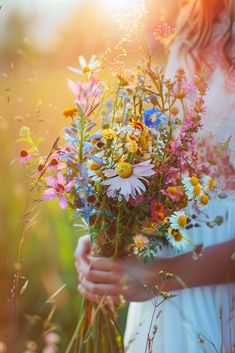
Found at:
<point>195,25</point>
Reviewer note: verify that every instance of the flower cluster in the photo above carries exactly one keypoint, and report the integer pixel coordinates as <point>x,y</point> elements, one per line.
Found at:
<point>134,177</point>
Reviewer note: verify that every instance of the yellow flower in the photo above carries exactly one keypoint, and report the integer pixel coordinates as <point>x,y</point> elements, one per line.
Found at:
<point>70,112</point>
<point>132,146</point>
<point>143,143</point>
<point>124,169</point>
<point>138,125</point>
<point>172,190</point>
<point>109,134</point>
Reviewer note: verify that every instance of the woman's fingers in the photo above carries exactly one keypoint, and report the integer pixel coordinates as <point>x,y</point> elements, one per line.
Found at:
<point>97,276</point>
<point>101,289</point>
<point>98,298</point>
<point>104,264</point>
<point>83,248</point>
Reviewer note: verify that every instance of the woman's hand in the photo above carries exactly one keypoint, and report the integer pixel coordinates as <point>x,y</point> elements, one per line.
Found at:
<point>103,278</point>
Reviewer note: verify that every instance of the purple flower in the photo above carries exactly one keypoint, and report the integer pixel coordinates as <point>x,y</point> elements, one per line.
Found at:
<point>87,93</point>
<point>58,188</point>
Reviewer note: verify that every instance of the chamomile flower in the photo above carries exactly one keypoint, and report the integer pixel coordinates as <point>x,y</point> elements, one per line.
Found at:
<point>190,182</point>
<point>208,183</point>
<point>202,201</point>
<point>194,192</point>
<point>94,171</point>
<point>177,239</point>
<point>192,187</point>
<point>140,243</point>
<point>127,179</point>
<point>86,67</point>
<point>178,220</point>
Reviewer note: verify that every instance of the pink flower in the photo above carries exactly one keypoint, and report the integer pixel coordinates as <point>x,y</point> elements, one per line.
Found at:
<point>57,188</point>
<point>87,93</point>
<point>126,179</point>
<point>55,163</point>
<point>25,156</point>
<point>52,338</point>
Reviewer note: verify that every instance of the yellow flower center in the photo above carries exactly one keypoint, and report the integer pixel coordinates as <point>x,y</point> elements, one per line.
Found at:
<point>177,236</point>
<point>182,220</point>
<point>197,189</point>
<point>194,181</point>
<point>204,199</point>
<point>86,69</point>
<point>172,190</point>
<point>94,166</point>
<point>211,184</point>
<point>139,243</point>
<point>124,169</point>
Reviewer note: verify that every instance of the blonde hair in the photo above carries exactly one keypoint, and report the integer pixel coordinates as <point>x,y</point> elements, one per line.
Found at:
<point>195,25</point>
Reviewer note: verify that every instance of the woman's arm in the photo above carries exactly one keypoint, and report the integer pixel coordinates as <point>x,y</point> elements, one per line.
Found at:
<point>102,277</point>
<point>214,267</point>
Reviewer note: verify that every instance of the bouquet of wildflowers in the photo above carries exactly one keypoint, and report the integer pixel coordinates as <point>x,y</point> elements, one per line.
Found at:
<point>128,168</point>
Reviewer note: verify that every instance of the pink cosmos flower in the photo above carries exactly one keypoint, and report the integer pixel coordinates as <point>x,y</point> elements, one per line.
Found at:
<point>127,179</point>
<point>57,188</point>
<point>87,93</point>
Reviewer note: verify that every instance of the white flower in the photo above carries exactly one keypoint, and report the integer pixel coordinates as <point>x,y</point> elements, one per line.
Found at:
<point>178,220</point>
<point>140,243</point>
<point>177,239</point>
<point>208,183</point>
<point>126,179</point>
<point>86,67</point>
<point>192,187</point>
<point>202,201</point>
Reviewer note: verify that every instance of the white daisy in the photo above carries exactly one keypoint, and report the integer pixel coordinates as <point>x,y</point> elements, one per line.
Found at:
<point>194,192</point>
<point>190,182</point>
<point>177,239</point>
<point>140,243</point>
<point>202,201</point>
<point>208,183</point>
<point>127,179</point>
<point>86,67</point>
<point>178,220</point>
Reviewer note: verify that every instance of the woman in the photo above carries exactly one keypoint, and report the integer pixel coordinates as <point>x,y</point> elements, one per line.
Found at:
<point>200,317</point>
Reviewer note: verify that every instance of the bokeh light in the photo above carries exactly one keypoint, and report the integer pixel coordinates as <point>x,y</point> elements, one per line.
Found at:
<point>117,5</point>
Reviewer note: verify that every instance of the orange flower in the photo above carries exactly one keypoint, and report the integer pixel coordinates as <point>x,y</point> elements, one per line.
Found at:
<point>70,112</point>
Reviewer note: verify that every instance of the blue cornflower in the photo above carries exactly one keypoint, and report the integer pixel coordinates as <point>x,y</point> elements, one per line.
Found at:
<point>154,117</point>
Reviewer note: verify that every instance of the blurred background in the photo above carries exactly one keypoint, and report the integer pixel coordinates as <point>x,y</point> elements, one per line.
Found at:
<point>39,40</point>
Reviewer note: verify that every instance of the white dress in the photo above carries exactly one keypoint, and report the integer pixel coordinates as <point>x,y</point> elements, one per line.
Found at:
<point>196,311</point>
